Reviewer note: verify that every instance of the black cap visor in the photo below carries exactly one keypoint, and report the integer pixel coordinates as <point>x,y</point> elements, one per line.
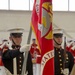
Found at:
<point>58,35</point>
<point>16,34</point>
<point>33,39</point>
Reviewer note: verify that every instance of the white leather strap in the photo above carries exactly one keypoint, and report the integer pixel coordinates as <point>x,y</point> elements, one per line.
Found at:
<point>14,66</point>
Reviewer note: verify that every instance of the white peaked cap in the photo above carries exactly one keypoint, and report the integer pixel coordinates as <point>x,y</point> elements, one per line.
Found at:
<point>57,31</point>
<point>16,30</point>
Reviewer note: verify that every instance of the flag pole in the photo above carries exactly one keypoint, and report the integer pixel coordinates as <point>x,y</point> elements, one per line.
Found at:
<point>29,36</point>
<point>26,53</point>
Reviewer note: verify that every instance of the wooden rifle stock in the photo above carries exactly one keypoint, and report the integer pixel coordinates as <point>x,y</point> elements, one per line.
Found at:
<point>64,53</point>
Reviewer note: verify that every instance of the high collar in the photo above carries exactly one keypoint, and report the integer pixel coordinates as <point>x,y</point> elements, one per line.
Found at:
<point>16,46</point>
<point>57,48</point>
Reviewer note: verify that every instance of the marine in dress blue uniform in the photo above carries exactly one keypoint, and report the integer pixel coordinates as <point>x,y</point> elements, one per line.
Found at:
<point>9,54</point>
<point>59,54</point>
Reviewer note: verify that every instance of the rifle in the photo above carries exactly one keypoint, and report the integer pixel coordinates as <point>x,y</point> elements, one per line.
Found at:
<point>64,53</point>
<point>65,70</point>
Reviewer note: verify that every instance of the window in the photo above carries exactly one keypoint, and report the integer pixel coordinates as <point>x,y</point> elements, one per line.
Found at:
<point>60,5</point>
<point>31,4</point>
<point>19,4</point>
<point>4,4</point>
<point>71,5</point>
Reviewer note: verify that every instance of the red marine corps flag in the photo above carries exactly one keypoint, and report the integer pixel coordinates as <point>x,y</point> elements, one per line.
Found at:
<point>41,23</point>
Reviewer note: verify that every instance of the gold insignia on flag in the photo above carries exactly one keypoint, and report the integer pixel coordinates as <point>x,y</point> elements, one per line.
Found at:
<point>49,35</point>
<point>48,7</point>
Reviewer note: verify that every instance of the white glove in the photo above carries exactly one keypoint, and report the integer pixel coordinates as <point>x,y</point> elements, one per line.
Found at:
<point>65,71</point>
<point>5,43</point>
<point>73,48</point>
<point>25,48</point>
<point>69,44</point>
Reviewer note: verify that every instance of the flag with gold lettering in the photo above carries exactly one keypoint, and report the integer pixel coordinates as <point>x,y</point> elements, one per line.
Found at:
<point>41,23</point>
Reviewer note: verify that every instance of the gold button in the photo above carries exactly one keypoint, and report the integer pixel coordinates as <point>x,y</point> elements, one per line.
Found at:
<point>60,60</point>
<point>59,55</point>
<point>67,58</point>
<point>60,64</point>
<point>20,61</point>
<point>59,52</point>
<point>20,57</point>
<point>19,65</point>
<point>61,68</point>
<point>19,69</point>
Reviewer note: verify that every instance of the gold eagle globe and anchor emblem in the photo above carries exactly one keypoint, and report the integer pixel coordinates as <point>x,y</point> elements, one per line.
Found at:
<point>46,30</point>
